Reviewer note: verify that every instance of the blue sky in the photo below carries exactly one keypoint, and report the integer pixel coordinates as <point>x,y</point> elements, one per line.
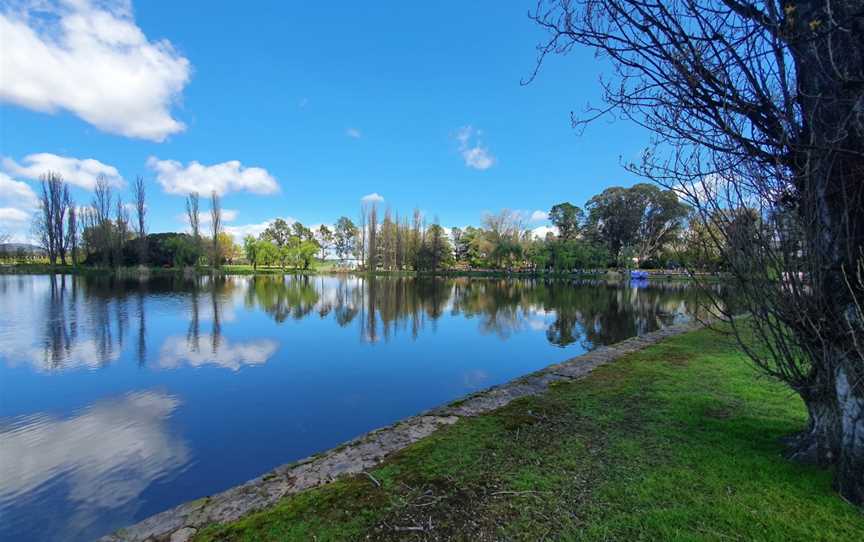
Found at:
<point>299,109</point>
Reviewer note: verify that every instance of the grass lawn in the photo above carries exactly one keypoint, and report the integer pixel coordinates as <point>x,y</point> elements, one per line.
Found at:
<point>676,442</point>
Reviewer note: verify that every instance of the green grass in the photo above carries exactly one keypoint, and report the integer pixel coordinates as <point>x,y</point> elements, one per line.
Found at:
<point>676,442</point>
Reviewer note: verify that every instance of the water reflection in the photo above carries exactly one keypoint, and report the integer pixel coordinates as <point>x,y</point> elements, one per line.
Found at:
<point>179,350</point>
<point>97,460</point>
<point>589,312</point>
<point>86,322</point>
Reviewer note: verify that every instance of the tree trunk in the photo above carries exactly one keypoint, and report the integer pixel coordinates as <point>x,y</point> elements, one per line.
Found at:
<point>835,432</point>
<point>818,443</point>
<point>850,465</point>
<point>829,69</point>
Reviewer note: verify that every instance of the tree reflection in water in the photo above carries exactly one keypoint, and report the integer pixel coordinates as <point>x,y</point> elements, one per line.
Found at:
<point>86,320</point>
<point>591,313</point>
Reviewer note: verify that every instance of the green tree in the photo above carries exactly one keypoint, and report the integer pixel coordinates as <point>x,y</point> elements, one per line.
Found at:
<point>302,232</point>
<point>435,252</point>
<point>306,251</point>
<point>227,249</point>
<point>567,218</point>
<point>186,250</point>
<point>250,248</point>
<point>278,232</point>
<point>325,238</point>
<point>266,253</point>
<point>345,237</point>
<point>638,220</point>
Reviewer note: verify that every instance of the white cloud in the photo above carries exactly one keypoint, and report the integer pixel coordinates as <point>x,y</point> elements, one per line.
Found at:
<point>17,204</point>
<point>75,171</point>
<point>473,152</point>
<point>241,231</point>
<point>354,133</point>
<point>539,216</point>
<point>478,158</point>
<point>11,214</point>
<point>228,215</point>
<point>17,193</point>
<point>374,197</point>
<point>541,231</point>
<point>222,178</point>
<point>90,58</point>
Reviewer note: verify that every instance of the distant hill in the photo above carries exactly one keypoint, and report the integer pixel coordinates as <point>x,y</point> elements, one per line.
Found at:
<point>15,247</point>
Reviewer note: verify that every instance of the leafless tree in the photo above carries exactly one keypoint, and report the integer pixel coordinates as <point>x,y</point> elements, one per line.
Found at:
<point>215,227</point>
<point>757,109</point>
<point>72,234</point>
<point>416,239</point>
<point>361,237</point>
<point>372,238</point>
<point>121,233</point>
<point>140,195</point>
<point>194,217</point>
<point>50,224</point>
<point>97,220</point>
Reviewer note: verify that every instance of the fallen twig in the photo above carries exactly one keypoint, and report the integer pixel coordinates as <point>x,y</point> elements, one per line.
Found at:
<point>377,483</point>
<point>526,492</point>
<point>410,528</point>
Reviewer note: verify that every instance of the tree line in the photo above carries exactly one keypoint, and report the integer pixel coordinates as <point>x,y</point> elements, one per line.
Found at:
<point>105,233</point>
<point>638,226</point>
<point>621,227</point>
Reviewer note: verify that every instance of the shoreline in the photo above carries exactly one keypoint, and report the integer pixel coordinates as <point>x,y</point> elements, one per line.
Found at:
<point>137,272</point>
<point>356,456</point>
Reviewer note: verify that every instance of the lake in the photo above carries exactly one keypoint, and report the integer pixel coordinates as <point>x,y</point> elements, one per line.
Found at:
<point>122,398</point>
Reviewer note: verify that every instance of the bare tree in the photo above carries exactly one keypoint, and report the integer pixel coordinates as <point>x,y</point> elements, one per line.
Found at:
<point>416,238</point>
<point>50,224</point>
<point>140,195</point>
<point>360,246</point>
<point>61,204</point>
<point>121,233</point>
<point>215,227</point>
<point>193,215</point>
<point>399,249</point>
<point>72,234</point>
<point>755,107</point>
<point>194,218</point>
<point>98,224</point>
<point>42,227</point>
<point>372,238</point>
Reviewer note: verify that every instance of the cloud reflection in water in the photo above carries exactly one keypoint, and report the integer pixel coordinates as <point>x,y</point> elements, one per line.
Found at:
<point>103,458</point>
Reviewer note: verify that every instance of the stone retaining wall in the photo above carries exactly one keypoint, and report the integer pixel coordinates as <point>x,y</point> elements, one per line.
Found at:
<point>179,524</point>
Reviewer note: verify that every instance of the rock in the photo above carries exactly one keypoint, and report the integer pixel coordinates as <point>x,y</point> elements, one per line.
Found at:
<point>183,535</point>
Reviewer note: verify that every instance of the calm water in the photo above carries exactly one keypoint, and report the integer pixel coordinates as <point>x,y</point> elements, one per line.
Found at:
<point>119,399</point>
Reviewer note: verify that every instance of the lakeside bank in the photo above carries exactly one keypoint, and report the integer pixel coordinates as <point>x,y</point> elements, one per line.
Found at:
<point>679,439</point>
<point>329,269</point>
